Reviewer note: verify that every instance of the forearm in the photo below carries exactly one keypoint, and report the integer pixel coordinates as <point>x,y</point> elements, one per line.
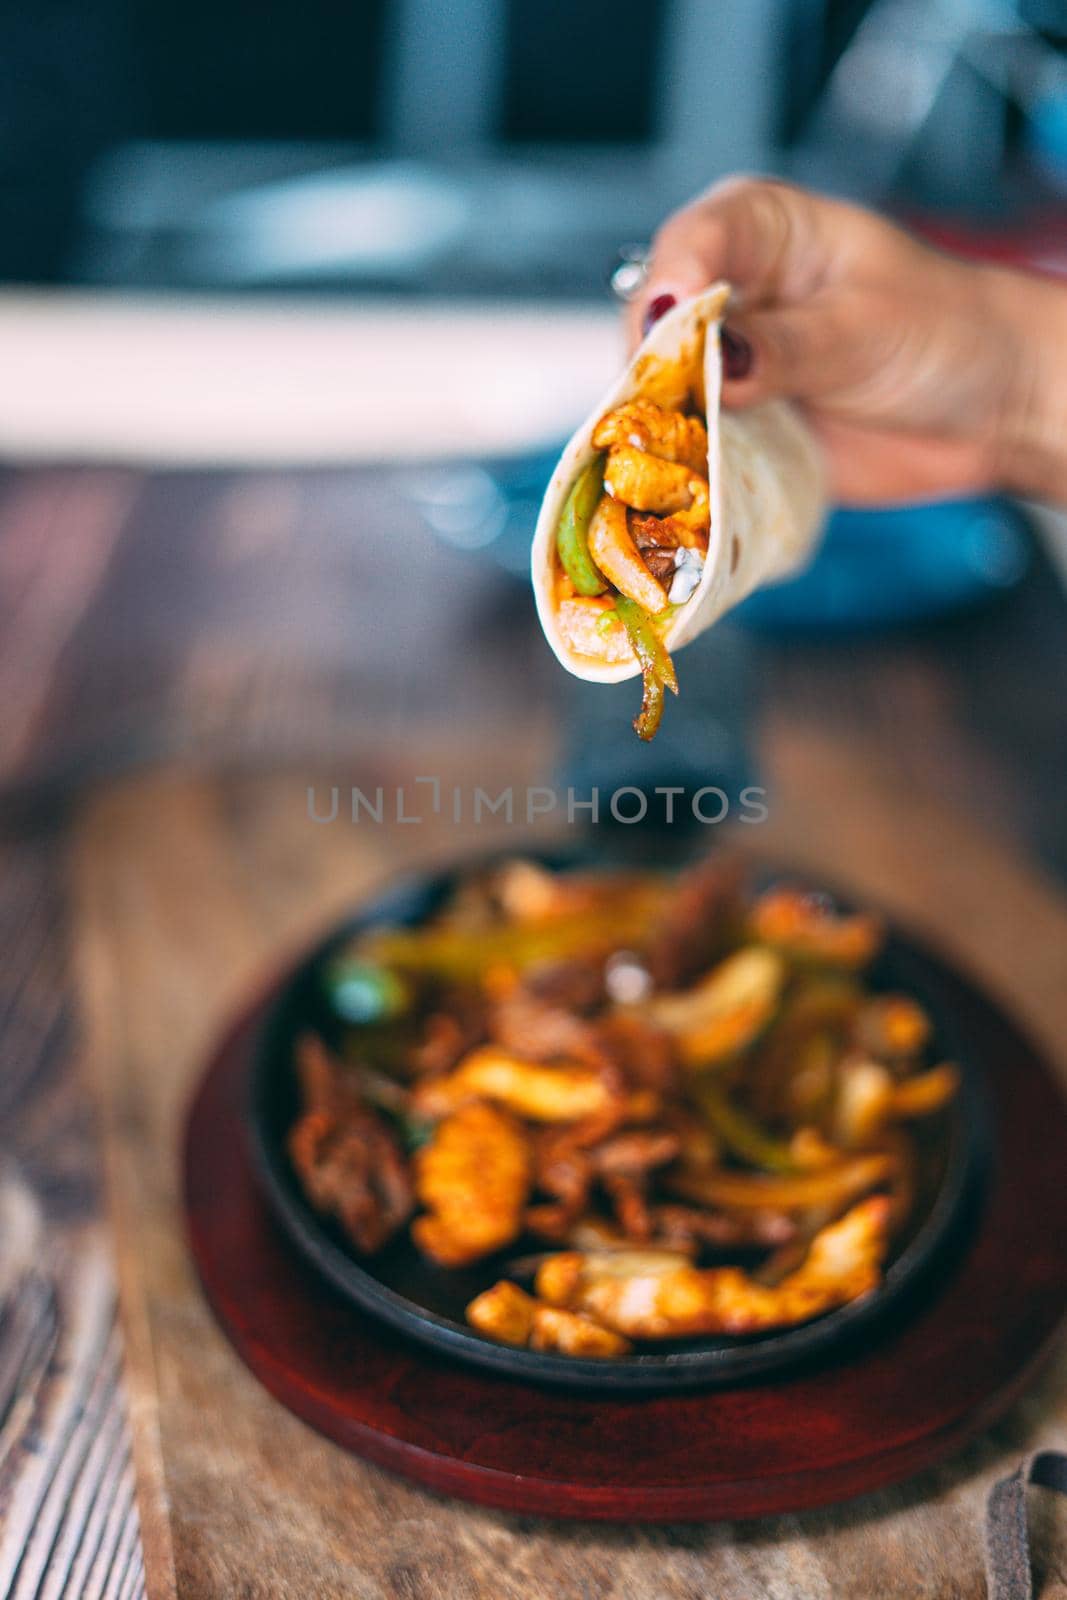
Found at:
<point>1031,452</point>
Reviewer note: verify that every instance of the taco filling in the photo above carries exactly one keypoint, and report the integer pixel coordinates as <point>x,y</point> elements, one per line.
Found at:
<point>663,513</point>
<point>632,538</point>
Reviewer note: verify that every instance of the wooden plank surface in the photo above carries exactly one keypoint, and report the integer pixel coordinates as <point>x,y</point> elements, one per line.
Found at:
<point>221,619</point>
<point>264,622</point>
<point>187,888</point>
<point>68,1524</point>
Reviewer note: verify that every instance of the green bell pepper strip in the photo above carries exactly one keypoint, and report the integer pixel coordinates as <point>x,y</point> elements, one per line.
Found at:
<point>648,719</point>
<point>647,644</point>
<point>462,955</point>
<point>742,1135</point>
<point>572,535</point>
<point>657,668</point>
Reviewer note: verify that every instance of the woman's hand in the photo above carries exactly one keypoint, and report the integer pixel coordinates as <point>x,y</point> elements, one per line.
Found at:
<point>921,374</point>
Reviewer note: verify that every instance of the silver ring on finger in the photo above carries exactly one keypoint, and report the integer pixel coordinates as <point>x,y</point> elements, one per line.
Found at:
<point>631,272</point>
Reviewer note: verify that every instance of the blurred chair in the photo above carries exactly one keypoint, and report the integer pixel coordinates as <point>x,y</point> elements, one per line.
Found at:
<point>512,144</point>
<point>524,138</point>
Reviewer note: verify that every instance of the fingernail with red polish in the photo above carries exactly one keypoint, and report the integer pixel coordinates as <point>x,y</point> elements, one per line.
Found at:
<point>737,354</point>
<point>658,308</point>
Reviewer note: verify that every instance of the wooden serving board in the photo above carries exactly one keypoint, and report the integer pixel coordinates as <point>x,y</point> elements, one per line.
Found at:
<point>189,890</point>
<point>898,1397</point>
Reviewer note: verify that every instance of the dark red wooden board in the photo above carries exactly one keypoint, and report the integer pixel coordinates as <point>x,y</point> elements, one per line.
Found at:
<point>901,1404</point>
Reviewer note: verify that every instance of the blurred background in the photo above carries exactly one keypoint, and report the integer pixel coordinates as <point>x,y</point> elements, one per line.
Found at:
<point>503,147</point>
<point>329,285</point>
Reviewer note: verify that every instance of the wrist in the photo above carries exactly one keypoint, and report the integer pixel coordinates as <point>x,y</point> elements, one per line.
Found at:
<point>1027,318</point>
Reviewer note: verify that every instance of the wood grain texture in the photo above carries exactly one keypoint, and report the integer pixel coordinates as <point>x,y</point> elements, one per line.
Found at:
<point>220,618</point>
<point>244,622</point>
<point>181,908</point>
<point>66,1486</point>
<point>68,1523</point>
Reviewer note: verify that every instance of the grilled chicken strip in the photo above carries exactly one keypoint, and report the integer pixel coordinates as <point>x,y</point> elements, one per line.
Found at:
<point>648,427</point>
<point>537,1091</point>
<point>615,553</point>
<point>666,1301</point>
<point>647,483</point>
<point>473,1177</point>
<point>510,1316</point>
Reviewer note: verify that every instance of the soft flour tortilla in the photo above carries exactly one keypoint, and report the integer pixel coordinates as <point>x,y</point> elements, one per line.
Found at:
<point>764,474</point>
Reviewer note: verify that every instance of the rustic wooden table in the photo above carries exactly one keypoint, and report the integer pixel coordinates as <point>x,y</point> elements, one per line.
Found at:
<point>180,657</point>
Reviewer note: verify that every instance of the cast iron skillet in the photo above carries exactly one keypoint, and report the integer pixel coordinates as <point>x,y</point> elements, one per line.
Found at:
<point>426,1302</point>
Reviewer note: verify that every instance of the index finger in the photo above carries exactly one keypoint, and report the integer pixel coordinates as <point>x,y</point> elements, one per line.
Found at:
<point>755,233</point>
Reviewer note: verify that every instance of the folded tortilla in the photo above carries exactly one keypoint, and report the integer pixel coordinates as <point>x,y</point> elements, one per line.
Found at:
<point>765,476</point>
